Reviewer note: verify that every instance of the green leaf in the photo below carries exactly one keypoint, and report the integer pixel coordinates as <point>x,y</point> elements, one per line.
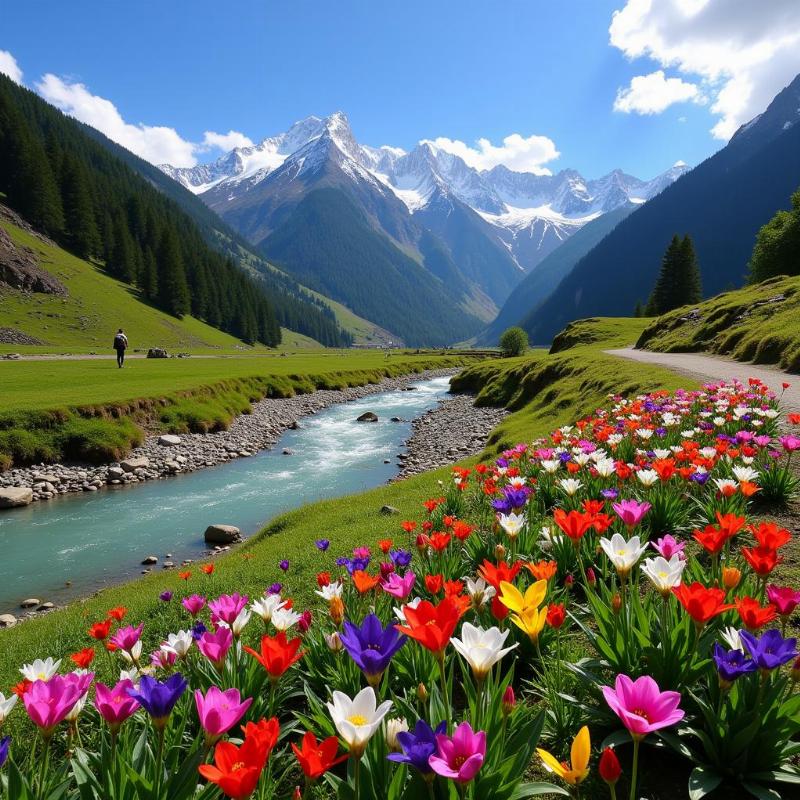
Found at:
<point>536,789</point>
<point>615,739</point>
<point>703,781</point>
<point>761,792</point>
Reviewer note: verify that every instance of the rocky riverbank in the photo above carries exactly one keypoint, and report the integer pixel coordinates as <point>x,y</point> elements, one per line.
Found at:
<point>165,455</point>
<point>454,430</point>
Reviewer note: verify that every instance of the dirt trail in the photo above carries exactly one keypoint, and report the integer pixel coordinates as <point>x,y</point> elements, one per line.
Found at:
<point>712,368</point>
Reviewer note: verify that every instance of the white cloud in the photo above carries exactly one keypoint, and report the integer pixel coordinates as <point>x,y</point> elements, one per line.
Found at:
<point>517,152</point>
<point>226,141</point>
<point>654,93</point>
<point>744,52</point>
<point>9,66</point>
<point>156,144</point>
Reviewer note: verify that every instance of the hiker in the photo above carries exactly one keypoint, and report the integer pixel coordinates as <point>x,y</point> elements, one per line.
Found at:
<point>120,345</point>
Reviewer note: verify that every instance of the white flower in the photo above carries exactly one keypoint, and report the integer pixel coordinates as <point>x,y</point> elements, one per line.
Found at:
<point>570,485</point>
<point>393,727</point>
<point>548,539</point>
<point>605,467</point>
<point>481,648</point>
<point>731,638</point>
<point>398,610</point>
<point>134,654</point>
<point>623,555</point>
<point>266,606</point>
<point>725,484</point>
<point>284,618</point>
<point>517,482</point>
<point>512,523</point>
<point>660,453</point>
<point>664,574</point>
<point>179,643</point>
<point>40,670</point>
<point>745,473</point>
<point>551,465</point>
<point>357,720</point>
<point>6,704</point>
<point>719,421</point>
<point>75,711</point>
<point>647,477</point>
<point>771,413</point>
<point>708,452</point>
<point>615,438</point>
<point>242,618</point>
<point>334,642</point>
<point>644,433</point>
<point>479,591</point>
<point>131,675</point>
<point>581,458</point>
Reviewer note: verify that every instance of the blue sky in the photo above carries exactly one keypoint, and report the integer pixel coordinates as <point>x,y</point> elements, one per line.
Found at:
<point>404,71</point>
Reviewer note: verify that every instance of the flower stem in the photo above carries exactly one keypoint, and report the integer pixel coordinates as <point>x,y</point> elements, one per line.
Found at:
<point>445,699</point>
<point>357,778</point>
<point>43,768</point>
<point>635,767</point>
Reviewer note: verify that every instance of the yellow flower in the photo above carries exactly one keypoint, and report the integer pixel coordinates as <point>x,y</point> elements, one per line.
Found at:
<point>514,600</point>
<point>577,771</point>
<point>531,620</point>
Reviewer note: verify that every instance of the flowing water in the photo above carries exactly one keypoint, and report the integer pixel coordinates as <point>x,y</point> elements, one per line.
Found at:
<point>94,539</point>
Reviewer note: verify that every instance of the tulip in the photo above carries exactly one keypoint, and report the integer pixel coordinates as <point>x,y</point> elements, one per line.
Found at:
<point>236,770</point>
<point>157,698</point>
<point>785,600</point>
<point>731,664</point>
<point>316,758</point>
<point>283,618</point>
<point>371,646</point>
<point>48,702</point>
<point>461,756</point>
<point>417,747</point>
<point>4,745</point>
<point>394,727</point>
<point>514,600</point>
<point>266,606</point>
<point>752,614</point>
<point>219,710</point>
<point>115,704</point>
<point>215,646</point>
<point>432,626</point>
<point>731,577</point>
<point>481,648</point>
<point>194,604</point>
<point>399,586</point>
<point>227,607</point>
<point>609,768</point>
<point>664,575</point>
<point>669,546</point>
<point>358,718</point>
<point>277,654</point>
<point>6,704</point>
<point>509,701</point>
<point>577,769</point>
<point>771,650</point>
<point>701,604</point>
<point>178,643</point>
<point>623,554</point>
<point>127,638</point>
<point>631,512</point>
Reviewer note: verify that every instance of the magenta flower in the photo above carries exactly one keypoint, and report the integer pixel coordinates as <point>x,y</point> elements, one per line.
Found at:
<point>631,512</point>
<point>163,659</point>
<point>642,706</point>
<point>126,638</point>
<point>215,646</point>
<point>669,546</point>
<point>399,586</point>
<point>193,604</point>
<point>49,702</point>
<point>219,711</point>
<point>227,607</point>
<point>461,756</point>
<point>784,598</point>
<point>790,443</point>
<point>115,705</point>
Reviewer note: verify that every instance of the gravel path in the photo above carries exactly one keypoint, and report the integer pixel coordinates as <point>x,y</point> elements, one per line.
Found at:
<point>712,368</point>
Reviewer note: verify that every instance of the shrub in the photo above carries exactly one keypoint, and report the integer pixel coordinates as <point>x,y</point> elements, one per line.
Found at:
<point>513,342</point>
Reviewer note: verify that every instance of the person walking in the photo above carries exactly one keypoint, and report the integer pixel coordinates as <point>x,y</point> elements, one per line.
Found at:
<point>120,345</point>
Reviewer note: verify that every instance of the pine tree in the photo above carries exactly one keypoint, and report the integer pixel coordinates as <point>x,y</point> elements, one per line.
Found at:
<point>173,291</point>
<point>690,285</point>
<point>35,192</point>
<point>638,310</point>
<point>678,281</point>
<point>79,217</point>
<point>149,277</point>
<point>121,264</point>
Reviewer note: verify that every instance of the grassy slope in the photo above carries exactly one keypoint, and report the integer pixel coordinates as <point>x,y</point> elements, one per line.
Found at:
<point>97,305</point>
<point>746,324</point>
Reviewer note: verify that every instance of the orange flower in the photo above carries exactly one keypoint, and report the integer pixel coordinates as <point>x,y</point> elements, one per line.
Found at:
<point>83,657</point>
<point>542,570</point>
<point>730,524</point>
<point>701,604</point>
<point>184,576</point>
<point>364,582</point>
<point>439,541</point>
<point>432,504</point>
<point>207,568</point>
<point>574,524</point>
<point>118,613</point>
<point>770,536</point>
<point>432,626</point>
<point>100,630</point>
<point>731,577</point>
<point>236,770</point>
<point>433,583</point>
<point>277,654</point>
<point>752,614</point>
<point>316,758</point>
<point>409,526</point>
<point>665,467</point>
<point>495,574</point>
<point>748,489</point>
<point>336,610</point>
<point>385,545</point>
<point>762,559</point>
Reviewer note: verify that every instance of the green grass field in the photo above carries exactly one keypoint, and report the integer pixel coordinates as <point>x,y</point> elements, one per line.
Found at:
<point>759,323</point>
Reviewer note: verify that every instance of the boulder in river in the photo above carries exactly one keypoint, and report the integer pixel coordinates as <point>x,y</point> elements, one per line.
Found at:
<point>222,534</point>
<point>31,602</point>
<point>149,560</point>
<point>169,440</point>
<point>367,416</point>
<point>13,496</point>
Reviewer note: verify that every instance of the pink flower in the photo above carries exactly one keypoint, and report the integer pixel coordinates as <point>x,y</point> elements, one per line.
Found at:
<point>669,546</point>
<point>642,706</point>
<point>49,702</point>
<point>785,599</point>
<point>461,756</point>
<point>790,443</point>
<point>193,604</point>
<point>631,511</point>
<point>163,659</point>
<point>215,646</point>
<point>115,705</point>
<point>399,586</point>
<point>227,607</point>
<point>219,711</point>
<point>126,638</point>
<point>361,552</point>
<point>304,623</point>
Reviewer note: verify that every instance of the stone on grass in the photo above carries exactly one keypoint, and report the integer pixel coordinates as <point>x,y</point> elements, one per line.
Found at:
<point>222,534</point>
<point>7,620</point>
<point>389,510</point>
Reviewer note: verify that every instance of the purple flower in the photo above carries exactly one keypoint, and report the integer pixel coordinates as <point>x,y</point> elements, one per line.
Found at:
<point>158,698</point>
<point>610,494</point>
<point>166,596</point>
<point>283,564</point>
<point>502,505</point>
<point>700,477</point>
<point>770,650</point>
<point>342,561</point>
<point>668,546</point>
<point>323,544</point>
<point>198,629</point>
<point>401,558</point>
<point>4,743</point>
<point>418,746</point>
<point>371,646</point>
<point>732,663</point>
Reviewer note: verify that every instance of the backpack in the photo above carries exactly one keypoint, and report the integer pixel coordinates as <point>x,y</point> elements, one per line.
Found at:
<point>119,342</point>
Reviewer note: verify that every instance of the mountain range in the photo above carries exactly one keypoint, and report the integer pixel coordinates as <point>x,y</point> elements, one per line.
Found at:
<point>454,241</point>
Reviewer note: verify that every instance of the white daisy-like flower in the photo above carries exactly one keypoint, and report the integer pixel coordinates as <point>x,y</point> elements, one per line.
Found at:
<point>284,618</point>
<point>358,718</point>
<point>266,606</point>
<point>623,554</point>
<point>330,591</point>
<point>570,486</point>
<point>481,648</point>
<point>40,670</point>
<point>647,477</point>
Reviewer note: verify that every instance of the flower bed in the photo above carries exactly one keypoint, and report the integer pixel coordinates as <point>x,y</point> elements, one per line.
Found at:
<point>565,609</point>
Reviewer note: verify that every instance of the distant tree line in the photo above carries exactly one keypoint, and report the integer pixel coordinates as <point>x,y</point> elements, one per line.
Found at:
<point>89,201</point>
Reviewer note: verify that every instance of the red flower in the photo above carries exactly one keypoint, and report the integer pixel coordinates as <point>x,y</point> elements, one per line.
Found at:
<point>236,770</point>
<point>277,654</point>
<point>593,507</point>
<point>701,604</point>
<point>265,732</point>
<point>609,766</point>
<point>752,614</point>
<point>453,588</point>
<point>323,579</point>
<point>462,530</point>
<point>440,541</point>
<point>574,524</point>
<point>665,467</point>
<point>712,539</point>
<point>499,609</point>
<point>83,658</point>
<point>432,626</point>
<point>207,568</point>
<point>770,536</point>
<point>316,758</point>
<point>100,630</point>
<point>385,545</point>
<point>118,613</point>
<point>494,574</point>
<point>433,583</point>
<point>556,614</point>
<point>184,576</point>
<point>762,559</point>
<point>542,570</point>
<point>20,688</point>
<point>730,524</point>
<point>408,526</point>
